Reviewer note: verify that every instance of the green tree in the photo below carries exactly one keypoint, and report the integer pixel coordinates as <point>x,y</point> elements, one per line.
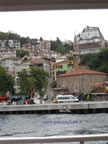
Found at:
<point>91,61</point>
<point>70,57</point>
<point>21,54</point>
<point>13,36</point>
<point>98,61</point>
<point>61,72</point>
<point>6,82</point>
<point>36,79</point>
<point>61,49</point>
<point>68,46</point>
<point>58,40</point>
<point>54,84</point>
<point>60,46</point>
<point>41,39</point>
<point>41,79</point>
<point>86,58</point>
<point>103,67</point>
<point>3,36</point>
<point>23,40</point>
<point>103,56</point>
<point>26,82</point>
<point>54,45</point>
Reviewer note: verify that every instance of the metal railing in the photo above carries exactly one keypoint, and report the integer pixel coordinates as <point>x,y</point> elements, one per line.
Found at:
<point>54,139</point>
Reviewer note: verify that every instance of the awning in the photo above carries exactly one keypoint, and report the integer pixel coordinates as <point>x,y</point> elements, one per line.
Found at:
<point>19,97</point>
<point>106,83</point>
<point>98,84</point>
<point>3,98</point>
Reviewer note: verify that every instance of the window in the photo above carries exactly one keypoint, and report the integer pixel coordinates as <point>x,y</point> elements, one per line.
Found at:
<point>76,87</point>
<point>59,67</point>
<point>91,87</point>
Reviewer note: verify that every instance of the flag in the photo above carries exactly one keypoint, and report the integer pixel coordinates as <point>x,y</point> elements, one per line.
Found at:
<point>88,97</point>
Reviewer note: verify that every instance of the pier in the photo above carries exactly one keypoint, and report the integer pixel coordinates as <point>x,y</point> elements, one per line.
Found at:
<point>51,108</point>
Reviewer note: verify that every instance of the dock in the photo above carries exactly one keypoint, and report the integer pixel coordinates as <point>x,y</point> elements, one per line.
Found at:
<point>54,108</point>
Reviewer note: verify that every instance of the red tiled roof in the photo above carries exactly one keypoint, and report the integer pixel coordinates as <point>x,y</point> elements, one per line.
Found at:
<point>82,72</point>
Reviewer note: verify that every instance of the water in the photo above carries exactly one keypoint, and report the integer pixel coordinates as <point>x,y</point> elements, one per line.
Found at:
<point>52,125</point>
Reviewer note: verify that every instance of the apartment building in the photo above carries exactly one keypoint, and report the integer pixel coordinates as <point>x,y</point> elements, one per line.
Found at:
<point>9,64</point>
<point>7,52</point>
<point>43,45</point>
<point>90,40</point>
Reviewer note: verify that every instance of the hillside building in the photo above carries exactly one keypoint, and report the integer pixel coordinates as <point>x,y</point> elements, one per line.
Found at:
<point>15,44</point>
<point>80,80</point>
<point>62,67</point>
<point>43,45</point>
<point>7,52</point>
<point>90,40</point>
<point>9,64</point>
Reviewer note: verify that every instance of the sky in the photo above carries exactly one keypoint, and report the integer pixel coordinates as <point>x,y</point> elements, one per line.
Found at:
<point>52,24</point>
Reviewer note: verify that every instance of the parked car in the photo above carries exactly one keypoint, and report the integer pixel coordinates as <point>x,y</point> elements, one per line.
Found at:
<point>54,101</point>
<point>26,101</point>
<point>66,98</point>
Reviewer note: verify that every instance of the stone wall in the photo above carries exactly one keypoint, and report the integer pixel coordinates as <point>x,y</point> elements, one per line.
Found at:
<point>80,83</point>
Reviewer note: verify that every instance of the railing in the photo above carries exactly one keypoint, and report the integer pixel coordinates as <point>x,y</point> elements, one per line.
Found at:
<point>54,139</point>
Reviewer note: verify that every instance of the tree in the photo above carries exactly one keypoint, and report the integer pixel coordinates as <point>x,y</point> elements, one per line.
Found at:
<point>92,61</point>
<point>14,36</point>
<point>21,54</point>
<point>35,79</point>
<point>61,72</point>
<point>41,39</point>
<point>68,46</point>
<point>103,68</point>
<point>54,84</point>
<point>26,82</point>
<point>86,58</point>
<point>58,40</point>
<point>53,45</point>
<point>41,79</point>
<point>61,47</point>
<point>70,57</point>
<point>23,40</point>
<point>98,61</point>
<point>3,36</point>
<point>103,56</point>
<point>6,82</point>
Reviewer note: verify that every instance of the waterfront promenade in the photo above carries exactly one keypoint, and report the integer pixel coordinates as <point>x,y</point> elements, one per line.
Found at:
<point>79,107</point>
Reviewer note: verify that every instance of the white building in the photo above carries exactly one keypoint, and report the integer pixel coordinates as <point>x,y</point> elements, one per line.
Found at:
<point>2,43</point>
<point>11,43</point>
<point>7,52</point>
<point>28,47</point>
<point>19,67</point>
<point>9,63</point>
<point>90,40</point>
<point>89,35</point>
<point>44,45</point>
<point>16,44</point>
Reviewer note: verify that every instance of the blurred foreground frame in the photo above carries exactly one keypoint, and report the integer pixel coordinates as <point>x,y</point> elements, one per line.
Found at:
<point>32,5</point>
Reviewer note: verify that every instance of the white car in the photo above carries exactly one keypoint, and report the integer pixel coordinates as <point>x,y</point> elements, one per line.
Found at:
<point>66,98</point>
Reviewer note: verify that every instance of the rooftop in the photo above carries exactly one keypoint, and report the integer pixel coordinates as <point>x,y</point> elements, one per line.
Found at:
<point>11,57</point>
<point>37,61</point>
<point>82,72</point>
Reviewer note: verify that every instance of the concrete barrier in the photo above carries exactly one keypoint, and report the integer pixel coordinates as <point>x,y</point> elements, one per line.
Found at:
<point>61,107</point>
